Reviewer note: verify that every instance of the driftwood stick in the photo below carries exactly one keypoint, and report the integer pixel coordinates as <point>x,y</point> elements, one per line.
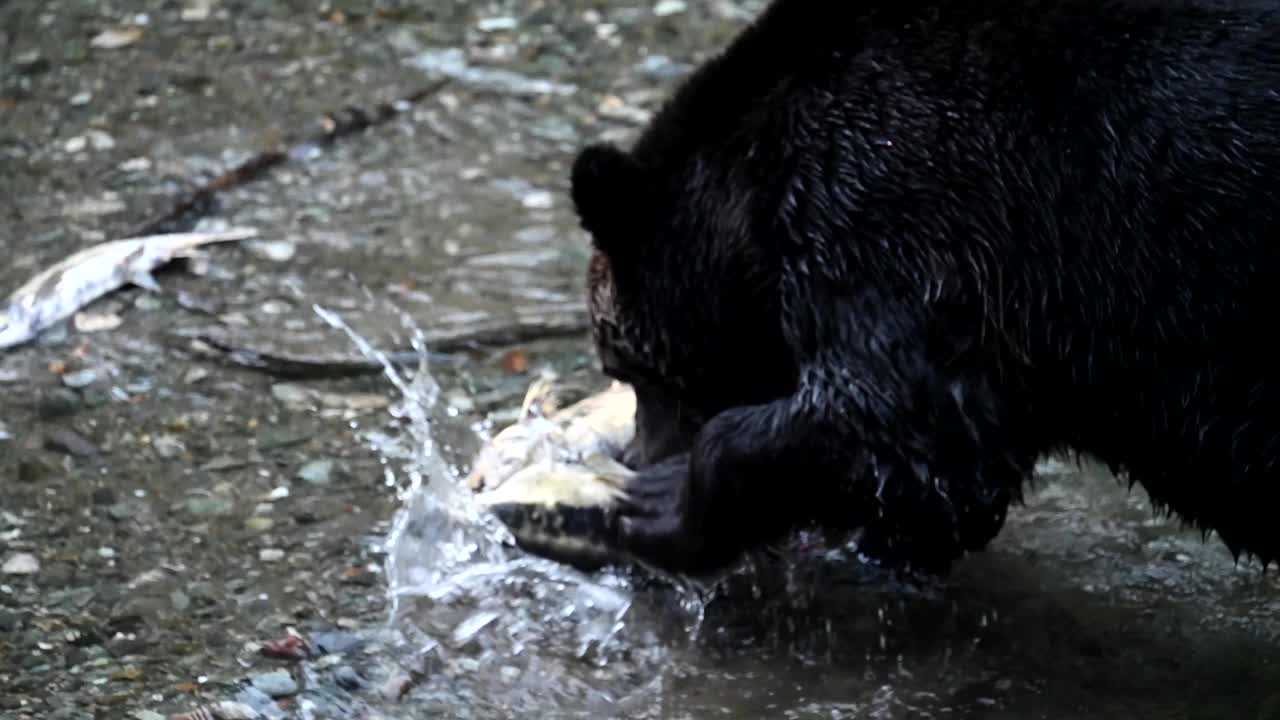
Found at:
<point>498,332</point>
<point>189,208</point>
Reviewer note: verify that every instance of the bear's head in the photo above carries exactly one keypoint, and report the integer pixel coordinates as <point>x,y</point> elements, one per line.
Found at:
<point>683,302</point>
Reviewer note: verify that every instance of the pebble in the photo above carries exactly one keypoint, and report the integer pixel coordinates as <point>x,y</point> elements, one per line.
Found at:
<point>270,554</point>
<point>196,10</point>
<point>347,678</point>
<point>115,38</point>
<point>290,393</point>
<point>277,684</point>
<point>147,715</point>
<point>317,472</point>
<point>497,24</point>
<point>81,98</point>
<point>329,643</point>
<point>80,378</point>
<point>258,523</point>
<point>30,62</point>
<point>57,402</point>
<point>167,446</point>
<point>665,8</point>
<point>135,164</point>
<point>273,250</point>
<point>9,620</point>
<point>21,564</point>
<point>205,505</point>
<point>537,200</point>
<point>66,440</point>
<point>195,375</point>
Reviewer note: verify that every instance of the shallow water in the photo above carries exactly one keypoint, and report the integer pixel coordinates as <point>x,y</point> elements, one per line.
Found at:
<point>1087,606</point>
<point>170,557</point>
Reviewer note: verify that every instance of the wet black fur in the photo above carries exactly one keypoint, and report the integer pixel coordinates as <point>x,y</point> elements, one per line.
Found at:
<point>876,258</point>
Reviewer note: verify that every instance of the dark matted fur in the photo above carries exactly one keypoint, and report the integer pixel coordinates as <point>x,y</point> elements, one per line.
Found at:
<point>878,256</point>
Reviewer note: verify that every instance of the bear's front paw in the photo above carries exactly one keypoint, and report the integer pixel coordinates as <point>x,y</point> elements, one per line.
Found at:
<point>654,524</point>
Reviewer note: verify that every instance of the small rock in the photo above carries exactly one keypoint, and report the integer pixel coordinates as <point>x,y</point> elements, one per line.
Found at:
<point>331,643</point>
<point>87,322</point>
<point>115,38</point>
<point>136,164</point>
<point>66,440</point>
<point>225,462</point>
<point>99,140</point>
<point>30,62</point>
<point>57,402</point>
<point>80,378</point>
<point>347,678</point>
<point>21,564</point>
<point>147,715</point>
<point>290,393</point>
<point>104,496</point>
<point>81,99</point>
<point>195,375</point>
<point>258,523</point>
<point>120,511</point>
<point>537,200</point>
<point>665,8</point>
<point>277,684</point>
<point>179,600</point>
<point>207,505</point>
<point>317,472</point>
<point>270,554</point>
<point>168,446</point>
<point>396,686</point>
<point>273,250</point>
<point>196,10</point>
<point>10,620</point>
<point>276,307</point>
<point>497,24</point>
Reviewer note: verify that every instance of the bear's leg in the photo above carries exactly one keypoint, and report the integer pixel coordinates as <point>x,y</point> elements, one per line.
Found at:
<point>895,429</point>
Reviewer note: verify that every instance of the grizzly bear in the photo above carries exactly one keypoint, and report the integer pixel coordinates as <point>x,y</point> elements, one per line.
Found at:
<point>877,257</point>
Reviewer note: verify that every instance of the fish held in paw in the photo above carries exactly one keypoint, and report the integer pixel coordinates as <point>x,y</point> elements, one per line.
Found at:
<point>553,478</point>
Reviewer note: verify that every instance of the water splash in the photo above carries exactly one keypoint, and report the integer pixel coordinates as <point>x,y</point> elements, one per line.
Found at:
<point>512,629</point>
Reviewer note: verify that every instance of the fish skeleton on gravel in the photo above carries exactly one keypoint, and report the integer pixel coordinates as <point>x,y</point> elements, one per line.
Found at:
<point>60,291</point>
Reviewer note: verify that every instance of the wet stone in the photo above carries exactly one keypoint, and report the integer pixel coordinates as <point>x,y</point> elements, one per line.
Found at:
<point>331,643</point>
<point>345,677</point>
<point>277,683</point>
<point>104,496</point>
<point>58,402</point>
<point>31,62</point>
<point>10,619</point>
<point>70,442</point>
<point>20,564</point>
<point>316,472</point>
<point>121,511</point>
<point>209,505</point>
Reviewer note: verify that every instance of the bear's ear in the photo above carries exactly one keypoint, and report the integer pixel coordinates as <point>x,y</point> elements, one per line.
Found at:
<point>609,188</point>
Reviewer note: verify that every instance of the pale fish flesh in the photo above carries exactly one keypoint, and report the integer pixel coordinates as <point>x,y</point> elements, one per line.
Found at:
<point>60,291</point>
<point>553,476</point>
